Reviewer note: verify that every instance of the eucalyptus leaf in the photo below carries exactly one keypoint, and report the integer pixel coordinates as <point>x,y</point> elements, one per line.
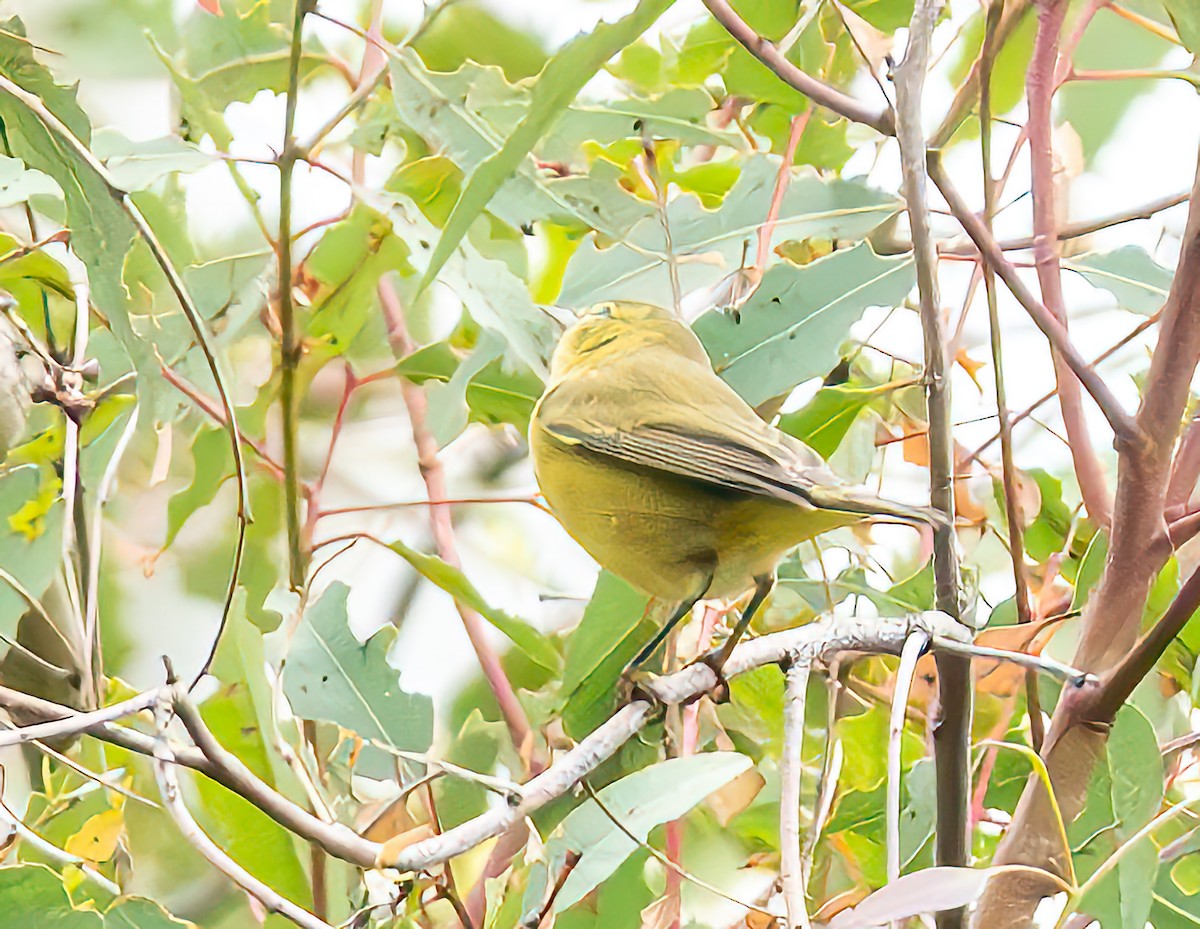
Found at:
<point>452,580</point>
<point>792,326</point>
<point>1125,792</point>
<point>330,675</point>
<point>1138,282</point>
<point>561,80</point>
<point>639,801</point>
<point>708,244</point>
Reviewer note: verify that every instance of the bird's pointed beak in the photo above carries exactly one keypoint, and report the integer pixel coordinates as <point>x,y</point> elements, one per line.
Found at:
<point>563,316</point>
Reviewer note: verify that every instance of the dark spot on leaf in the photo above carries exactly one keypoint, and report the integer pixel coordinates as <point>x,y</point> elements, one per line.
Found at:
<point>424,244</point>
<point>324,678</point>
<point>775,300</point>
<point>637,125</point>
<point>527,228</point>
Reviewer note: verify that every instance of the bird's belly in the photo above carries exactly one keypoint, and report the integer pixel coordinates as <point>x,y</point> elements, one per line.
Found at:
<point>668,536</point>
<point>655,532</point>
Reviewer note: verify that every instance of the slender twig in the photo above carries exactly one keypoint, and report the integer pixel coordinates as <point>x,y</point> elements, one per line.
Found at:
<point>76,546</point>
<point>290,346</point>
<point>531,500</point>
<point>672,866</point>
<point>206,406</point>
<point>1015,517</point>
<point>820,93</point>
<point>182,295</point>
<point>166,773</point>
<point>1073,230</point>
<point>1123,425</point>
<point>968,91</point>
<point>767,229</point>
<point>791,864</point>
<point>79,722</point>
<point>909,656</point>
<point>1050,395</point>
<point>952,734</point>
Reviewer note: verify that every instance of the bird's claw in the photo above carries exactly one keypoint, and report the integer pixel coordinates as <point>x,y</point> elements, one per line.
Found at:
<point>637,685</point>
<point>715,661</point>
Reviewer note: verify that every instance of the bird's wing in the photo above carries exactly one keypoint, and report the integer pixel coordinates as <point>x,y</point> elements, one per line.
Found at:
<point>707,458</point>
<point>684,420</point>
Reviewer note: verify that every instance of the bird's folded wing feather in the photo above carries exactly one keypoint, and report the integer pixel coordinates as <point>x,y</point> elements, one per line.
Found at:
<point>711,459</point>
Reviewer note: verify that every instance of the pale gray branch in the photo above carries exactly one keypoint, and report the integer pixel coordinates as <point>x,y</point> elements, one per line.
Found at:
<point>791,865</point>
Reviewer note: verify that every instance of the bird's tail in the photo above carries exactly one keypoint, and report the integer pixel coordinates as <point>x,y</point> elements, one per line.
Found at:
<point>863,502</point>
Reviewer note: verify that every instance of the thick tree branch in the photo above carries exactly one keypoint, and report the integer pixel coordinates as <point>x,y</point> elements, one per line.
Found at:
<point>1040,85</point>
<point>952,731</point>
<point>820,641</point>
<point>1138,548</point>
<point>820,93</point>
<point>1014,516</point>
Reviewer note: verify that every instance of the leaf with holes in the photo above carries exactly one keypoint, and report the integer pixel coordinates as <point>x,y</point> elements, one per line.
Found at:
<point>708,244</point>
<point>792,327</point>
<point>330,675</point>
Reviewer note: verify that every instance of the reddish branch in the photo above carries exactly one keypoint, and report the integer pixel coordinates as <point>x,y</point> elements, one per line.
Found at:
<point>443,536</point>
<point>1039,84</point>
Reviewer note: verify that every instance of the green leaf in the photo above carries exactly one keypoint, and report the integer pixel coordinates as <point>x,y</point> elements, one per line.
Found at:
<point>1186,18</point>
<point>101,232</point>
<point>536,646</point>
<point>347,263</point>
<point>18,183</point>
<point>1125,792</point>
<point>37,896</point>
<point>1047,534</point>
<point>1094,109</point>
<point>140,913</point>
<point>864,739</point>
<point>640,801</point>
<point>330,675</point>
<point>614,627</point>
<point>823,422</point>
<point>708,244</point>
<point>559,83</point>
<point>212,466</point>
<point>138,165</point>
<point>32,560</point>
<point>496,393</point>
<point>467,115</point>
<point>1138,282</point>
<point>793,325</point>
<point>1091,569</point>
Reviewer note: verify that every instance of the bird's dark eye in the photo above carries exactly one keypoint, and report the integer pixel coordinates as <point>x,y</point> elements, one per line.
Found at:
<point>605,310</point>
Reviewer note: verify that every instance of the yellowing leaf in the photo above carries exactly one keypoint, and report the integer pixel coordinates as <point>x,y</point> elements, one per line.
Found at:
<point>97,840</point>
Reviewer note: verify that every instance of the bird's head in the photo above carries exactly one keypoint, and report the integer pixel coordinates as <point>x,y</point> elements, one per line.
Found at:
<point>617,327</point>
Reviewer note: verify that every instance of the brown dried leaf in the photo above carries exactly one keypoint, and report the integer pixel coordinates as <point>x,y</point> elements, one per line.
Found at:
<point>735,796</point>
